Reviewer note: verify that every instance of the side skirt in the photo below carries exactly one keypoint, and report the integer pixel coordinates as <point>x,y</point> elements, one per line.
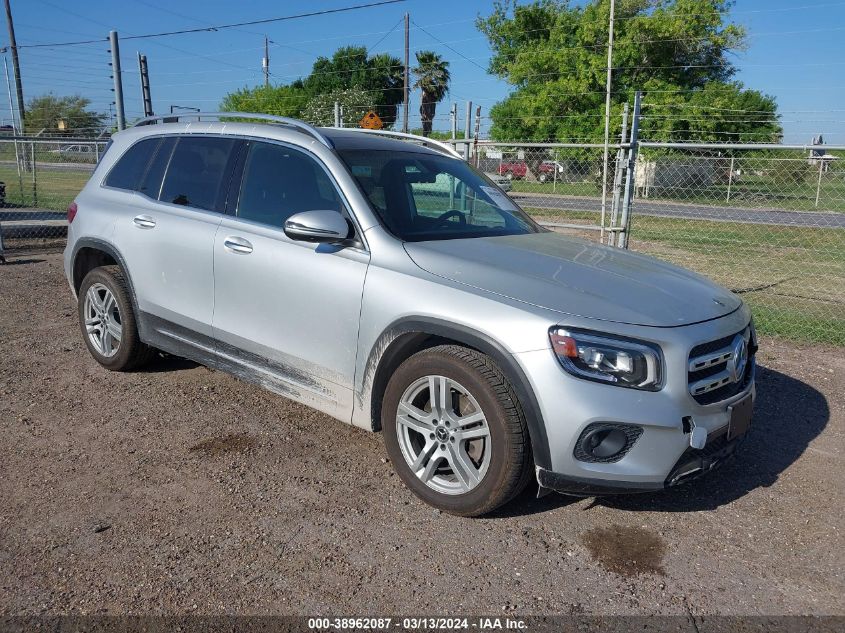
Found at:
<point>280,379</point>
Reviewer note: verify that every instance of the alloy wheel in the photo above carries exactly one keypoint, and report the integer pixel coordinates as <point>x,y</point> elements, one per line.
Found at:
<point>443,435</point>
<point>102,320</point>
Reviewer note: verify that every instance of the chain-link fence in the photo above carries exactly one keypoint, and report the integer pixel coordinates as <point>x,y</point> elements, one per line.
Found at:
<point>767,222</point>
<point>39,178</point>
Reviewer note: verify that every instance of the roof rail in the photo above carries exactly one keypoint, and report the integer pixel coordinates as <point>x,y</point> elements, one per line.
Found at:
<point>271,118</point>
<point>424,140</point>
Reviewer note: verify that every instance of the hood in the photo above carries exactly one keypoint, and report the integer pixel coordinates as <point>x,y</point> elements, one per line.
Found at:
<point>578,278</point>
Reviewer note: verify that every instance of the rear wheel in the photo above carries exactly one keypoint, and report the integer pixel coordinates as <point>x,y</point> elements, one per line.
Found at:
<point>543,177</point>
<point>108,322</point>
<point>455,432</point>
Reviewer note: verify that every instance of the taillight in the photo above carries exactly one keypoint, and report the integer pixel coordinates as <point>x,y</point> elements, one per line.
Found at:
<point>71,212</point>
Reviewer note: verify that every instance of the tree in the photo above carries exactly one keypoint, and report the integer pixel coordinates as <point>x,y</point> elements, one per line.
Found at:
<point>675,51</point>
<point>69,116</point>
<point>432,74</point>
<point>279,100</point>
<point>379,77</point>
<point>355,103</point>
<point>349,67</point>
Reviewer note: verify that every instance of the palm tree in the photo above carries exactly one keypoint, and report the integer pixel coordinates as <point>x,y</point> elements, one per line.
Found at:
<point>432,75</point>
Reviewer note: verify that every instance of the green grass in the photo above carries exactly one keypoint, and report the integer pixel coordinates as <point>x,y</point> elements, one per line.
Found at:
<point>751,192</point>
<point>560,188</point>
<point>792,277</point>
<point>53,190</point>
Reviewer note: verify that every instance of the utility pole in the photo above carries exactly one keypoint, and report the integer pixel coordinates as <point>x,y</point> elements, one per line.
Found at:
<point>407,49</point>
<point>607,115</point>
<point>16,66</point>
<point>146,99</point>
<point>467,128</point>
<point>453,115</point>
<point>477,132</point>
<point>15,127</point>
<point>265,63</point>
<point>118,80</point>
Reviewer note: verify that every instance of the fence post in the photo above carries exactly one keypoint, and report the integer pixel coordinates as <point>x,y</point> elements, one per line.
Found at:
<point>730,180</point>
<point>819,182</point>
<point>34,176</point>
<point>337,113</point>
<point>617,179</point>
<point>2,257</point>
<point>625,223</point>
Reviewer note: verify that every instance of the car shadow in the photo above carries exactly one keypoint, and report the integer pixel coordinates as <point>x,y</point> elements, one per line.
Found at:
<point>788,415</point>
<point>166,363</point>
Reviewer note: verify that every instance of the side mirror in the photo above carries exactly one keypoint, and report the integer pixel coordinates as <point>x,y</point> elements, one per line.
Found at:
<point>322,226</point>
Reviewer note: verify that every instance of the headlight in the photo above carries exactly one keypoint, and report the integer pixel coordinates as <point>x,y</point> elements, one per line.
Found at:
<point>621,362</point>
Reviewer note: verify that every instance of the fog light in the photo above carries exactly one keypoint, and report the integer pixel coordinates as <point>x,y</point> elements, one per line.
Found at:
<point>606,442</point>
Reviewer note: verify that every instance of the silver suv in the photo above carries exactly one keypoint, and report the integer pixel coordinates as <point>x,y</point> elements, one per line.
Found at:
<point>379,278</point>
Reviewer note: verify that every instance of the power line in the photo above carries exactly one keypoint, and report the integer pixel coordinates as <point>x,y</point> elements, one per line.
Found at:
<point>220,27</point>
<point>449,47</point>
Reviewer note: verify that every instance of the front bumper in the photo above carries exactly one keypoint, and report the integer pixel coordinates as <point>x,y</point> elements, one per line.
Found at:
<point>692,464</point>
<point>662,454</point>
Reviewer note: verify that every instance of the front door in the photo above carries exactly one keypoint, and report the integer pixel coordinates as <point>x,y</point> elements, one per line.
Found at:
<point>286,311</point>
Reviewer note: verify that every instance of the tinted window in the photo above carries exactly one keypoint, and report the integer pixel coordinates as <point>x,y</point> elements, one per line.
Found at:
<point>279,182</point>
<point>130,168</point>
<point>150,184</point>
<point>421,196</point>
<point>196,175</point>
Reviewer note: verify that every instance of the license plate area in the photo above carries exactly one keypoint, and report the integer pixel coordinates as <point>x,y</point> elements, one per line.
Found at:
<point>740,417</point>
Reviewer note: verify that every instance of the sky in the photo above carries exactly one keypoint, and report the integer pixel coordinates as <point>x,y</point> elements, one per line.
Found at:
<point>795,51</point>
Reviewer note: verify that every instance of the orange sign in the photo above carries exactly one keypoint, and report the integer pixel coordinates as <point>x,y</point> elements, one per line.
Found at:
<point>371,121</point>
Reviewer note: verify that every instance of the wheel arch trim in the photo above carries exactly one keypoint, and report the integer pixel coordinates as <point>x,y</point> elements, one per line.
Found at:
<point>111,250</point>
<point>396,336</point>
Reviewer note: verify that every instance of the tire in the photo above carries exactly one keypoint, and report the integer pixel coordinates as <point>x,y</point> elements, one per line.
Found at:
<point>543,177</point>
<point>509,175</point>
<point>127,352</point>
<point>477,388</point>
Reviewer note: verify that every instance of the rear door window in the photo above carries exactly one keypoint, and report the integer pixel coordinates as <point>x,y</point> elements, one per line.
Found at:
<point>198,172</point>
<point>131,167</point>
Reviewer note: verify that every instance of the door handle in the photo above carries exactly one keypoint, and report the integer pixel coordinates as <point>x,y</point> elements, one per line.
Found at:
<point>144,221</point>
<point>237,245</point>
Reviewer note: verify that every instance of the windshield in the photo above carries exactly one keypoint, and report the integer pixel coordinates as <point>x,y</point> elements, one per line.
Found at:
<point>430,197</point>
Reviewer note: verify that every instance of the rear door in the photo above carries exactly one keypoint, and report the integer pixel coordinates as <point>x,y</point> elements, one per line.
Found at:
<point>287,311</point>
<point>167,235</point>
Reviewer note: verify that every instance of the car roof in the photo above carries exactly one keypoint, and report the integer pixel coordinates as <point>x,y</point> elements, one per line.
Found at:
<point>352,139</point>
<point>340,139</point>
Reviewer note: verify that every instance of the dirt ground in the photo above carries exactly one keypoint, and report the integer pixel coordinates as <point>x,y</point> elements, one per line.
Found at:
<point>180,490</point>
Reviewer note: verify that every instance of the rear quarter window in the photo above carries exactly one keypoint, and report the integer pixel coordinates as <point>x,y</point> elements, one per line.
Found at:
<point>131,167</point>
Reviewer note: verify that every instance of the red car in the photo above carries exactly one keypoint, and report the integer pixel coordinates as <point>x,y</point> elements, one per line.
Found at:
<point>546,170</point>
<point>514,170</point>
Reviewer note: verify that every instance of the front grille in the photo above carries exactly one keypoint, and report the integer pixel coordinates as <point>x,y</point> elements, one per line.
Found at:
<point>711,370</point>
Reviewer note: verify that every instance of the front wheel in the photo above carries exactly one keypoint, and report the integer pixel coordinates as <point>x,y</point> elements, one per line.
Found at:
<point>455,432</point>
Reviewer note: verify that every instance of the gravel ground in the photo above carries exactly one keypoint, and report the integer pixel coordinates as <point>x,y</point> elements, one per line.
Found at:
<point>180,490</point>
